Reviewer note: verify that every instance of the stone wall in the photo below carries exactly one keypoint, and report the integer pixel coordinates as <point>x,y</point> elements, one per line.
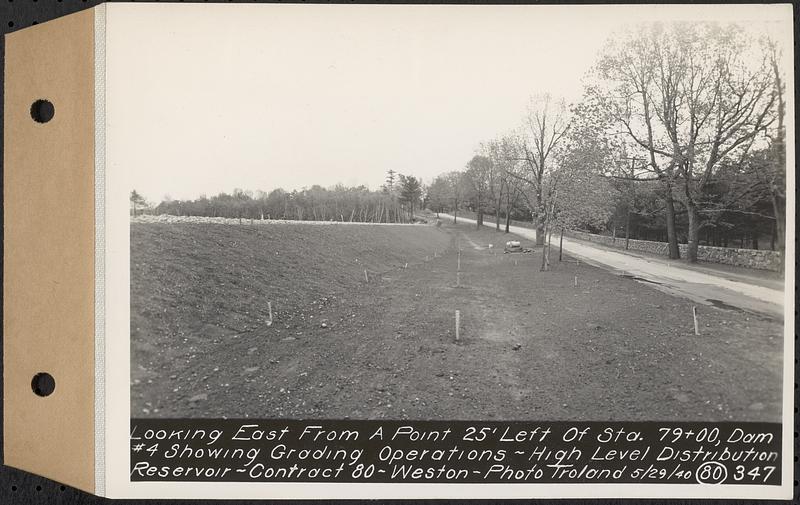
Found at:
<point>749,258</point>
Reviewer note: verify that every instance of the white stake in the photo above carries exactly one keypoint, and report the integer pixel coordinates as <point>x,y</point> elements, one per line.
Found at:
<point>269,306</point>
<point>458,324</point>
<point>458,279</point>
<point>576,281</point>
<point>694,315</point>
<point>515,262</point>
<point>366,277</point>
<point>405,266</point>
<point>459,260</point>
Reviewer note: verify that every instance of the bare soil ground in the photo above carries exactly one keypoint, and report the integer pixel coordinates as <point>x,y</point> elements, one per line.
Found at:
<point>533,345</point>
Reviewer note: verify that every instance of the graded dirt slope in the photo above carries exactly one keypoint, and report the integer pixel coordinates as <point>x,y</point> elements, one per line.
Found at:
<point>195,287</point>
<point>534,346</point>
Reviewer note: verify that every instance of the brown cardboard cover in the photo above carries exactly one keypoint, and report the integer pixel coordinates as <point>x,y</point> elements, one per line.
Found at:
<point>48,291</point>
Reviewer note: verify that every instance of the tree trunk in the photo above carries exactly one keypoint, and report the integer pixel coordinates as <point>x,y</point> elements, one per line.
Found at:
<point>672,237</point>
<point>479,217</point>
<point>545,263</point>
<point>778,199</point>
<point>627,228</point>
<point>508,211</point>
<point>539,216</point>
<point>772,237</point>
<point>694,231</point>
<point>780,224</point>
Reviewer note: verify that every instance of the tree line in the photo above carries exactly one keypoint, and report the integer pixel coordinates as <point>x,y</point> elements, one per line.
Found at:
<point>679,136</point>
<point>394,203</point>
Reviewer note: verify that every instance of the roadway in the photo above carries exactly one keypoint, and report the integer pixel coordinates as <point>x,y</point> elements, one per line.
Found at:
<point>735,290</point>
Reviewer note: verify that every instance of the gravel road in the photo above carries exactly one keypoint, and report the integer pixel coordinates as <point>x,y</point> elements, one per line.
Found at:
<point>720,290</point>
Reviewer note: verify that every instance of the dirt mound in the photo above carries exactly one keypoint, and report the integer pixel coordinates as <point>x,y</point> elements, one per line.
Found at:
<point>195,286</point>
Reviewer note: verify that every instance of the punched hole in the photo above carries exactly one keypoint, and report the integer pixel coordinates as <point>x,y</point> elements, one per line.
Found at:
<point>43,384</point>
<point>42,111</point>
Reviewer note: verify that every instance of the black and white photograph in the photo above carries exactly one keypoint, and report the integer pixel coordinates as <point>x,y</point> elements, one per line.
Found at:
<point>516,213</point>
<point>260,250</point>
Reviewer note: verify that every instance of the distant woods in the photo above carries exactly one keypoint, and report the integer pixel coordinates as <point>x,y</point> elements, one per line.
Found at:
<point>395,202</point>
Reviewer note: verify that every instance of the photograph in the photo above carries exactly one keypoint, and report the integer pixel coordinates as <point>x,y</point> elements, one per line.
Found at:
<point>508,213</point>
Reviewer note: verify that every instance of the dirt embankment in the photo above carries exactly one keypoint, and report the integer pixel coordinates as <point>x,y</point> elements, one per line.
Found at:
<point>199,289</point>
<point>533,344</point>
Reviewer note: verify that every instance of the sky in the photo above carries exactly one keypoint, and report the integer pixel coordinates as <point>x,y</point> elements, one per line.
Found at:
<point>205,98</point>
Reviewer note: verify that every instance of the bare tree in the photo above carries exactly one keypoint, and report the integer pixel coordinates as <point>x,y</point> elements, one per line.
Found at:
<point>627,73</point>
<point>501,153</point>
<point>691,95</point>
<point>479,174</point>
<point>714,104</point>
<point>457,185</point>
<point>544,128</point>
<point>769,165</point>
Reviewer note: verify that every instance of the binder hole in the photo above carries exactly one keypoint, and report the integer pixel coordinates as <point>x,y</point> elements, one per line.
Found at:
<point>42,111</point>
<point>43,384</point>
<point>38,488</point>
